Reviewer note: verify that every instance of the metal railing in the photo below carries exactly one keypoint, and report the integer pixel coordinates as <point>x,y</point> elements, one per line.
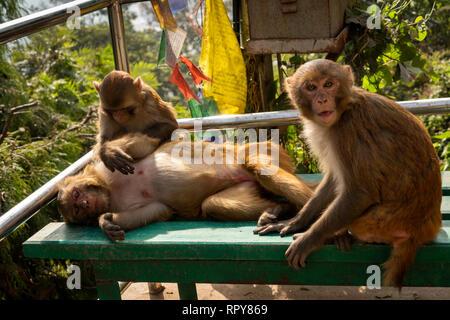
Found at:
<point>24,26</point>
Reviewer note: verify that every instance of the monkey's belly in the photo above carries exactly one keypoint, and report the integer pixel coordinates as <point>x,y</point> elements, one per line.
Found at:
<point>129,191</point>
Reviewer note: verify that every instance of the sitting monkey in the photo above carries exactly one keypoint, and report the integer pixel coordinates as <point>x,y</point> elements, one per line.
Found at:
<point>129,105</point>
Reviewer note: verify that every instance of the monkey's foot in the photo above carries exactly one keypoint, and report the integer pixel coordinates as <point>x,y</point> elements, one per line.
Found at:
<point>270,228</point>
<point>266,218</point>
<point>270,215</point>
<point>110,229</point>
<point>299,250</point>
<point>343,241</point>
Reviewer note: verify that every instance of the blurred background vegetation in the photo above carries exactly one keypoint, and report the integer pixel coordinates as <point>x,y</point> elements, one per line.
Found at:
<point>407,59</point>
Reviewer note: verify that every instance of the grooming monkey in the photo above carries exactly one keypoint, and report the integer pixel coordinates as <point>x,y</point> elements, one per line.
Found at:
<point>164,184</point>
<point>381,173</point>
<point>128,105</point>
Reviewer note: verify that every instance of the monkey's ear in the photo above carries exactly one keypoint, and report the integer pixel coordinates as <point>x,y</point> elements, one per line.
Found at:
<point>138,83</point>
<point>96,86</point>
<point>351,77</point>
<point>289,82</point>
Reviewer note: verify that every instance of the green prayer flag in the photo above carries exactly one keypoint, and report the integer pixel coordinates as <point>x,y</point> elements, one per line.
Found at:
<point>162,48</point>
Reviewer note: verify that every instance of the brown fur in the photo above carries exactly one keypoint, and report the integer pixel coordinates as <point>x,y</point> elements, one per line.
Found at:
<point>382,178</point>
<point>150,115</point>
<point>230,192</point>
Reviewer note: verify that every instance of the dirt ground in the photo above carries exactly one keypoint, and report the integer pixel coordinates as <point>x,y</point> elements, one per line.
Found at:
<point>139,291</point>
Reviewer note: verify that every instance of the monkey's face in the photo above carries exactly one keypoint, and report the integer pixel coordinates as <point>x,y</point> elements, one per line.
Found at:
<point>121,96</point>
<point>82,204</point>
<point>321,95</point>
<point>121,115</point>
<point>318,87</point>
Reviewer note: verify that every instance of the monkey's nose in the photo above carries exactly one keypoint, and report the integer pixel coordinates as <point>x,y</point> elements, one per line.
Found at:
<point>322,101</point>
<point>85,204</point>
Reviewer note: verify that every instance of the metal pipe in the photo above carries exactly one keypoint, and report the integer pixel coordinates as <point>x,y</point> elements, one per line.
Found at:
<point>427,106</point>
<point>117,30</point>
<point>35,22</point>
<point>247,120</point>
<point>286,117</point>
<point>25,209</point>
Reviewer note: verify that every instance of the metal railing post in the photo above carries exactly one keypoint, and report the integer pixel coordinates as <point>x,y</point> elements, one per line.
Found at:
<point>117,30</point>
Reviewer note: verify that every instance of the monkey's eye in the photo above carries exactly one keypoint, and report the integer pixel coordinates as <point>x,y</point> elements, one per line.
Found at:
<point>310,87</point>
<point>328,84</point>
<point>131,110</point>
<point>76,210</point>
<point>75,194</point>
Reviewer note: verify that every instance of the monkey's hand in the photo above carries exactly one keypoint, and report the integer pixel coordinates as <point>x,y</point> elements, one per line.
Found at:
<point>300,249</point>
<point>111,230</point>
<point>116,158</point>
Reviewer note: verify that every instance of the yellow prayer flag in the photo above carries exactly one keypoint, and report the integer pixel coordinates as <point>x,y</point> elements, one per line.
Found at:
<point>221,60</point>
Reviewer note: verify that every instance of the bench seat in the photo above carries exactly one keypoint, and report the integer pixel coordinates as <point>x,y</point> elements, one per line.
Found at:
<point>189,252</point>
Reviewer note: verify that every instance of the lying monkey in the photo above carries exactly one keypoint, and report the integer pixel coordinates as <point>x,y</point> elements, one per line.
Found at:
<point>164,185</point>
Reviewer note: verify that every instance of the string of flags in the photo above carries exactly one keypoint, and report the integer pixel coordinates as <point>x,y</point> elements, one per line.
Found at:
<point>172,39</point>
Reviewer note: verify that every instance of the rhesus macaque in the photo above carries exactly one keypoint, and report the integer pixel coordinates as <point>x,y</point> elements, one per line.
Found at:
<point>381,173</point>
<point>128,105</point>
<point>165,183</point>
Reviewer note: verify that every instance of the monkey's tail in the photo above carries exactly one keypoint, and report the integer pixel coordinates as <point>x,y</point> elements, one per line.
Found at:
<point>402,257</point>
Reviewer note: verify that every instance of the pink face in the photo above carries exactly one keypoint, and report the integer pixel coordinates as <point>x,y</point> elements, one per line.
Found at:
<point>86,204</point>
<point>322,95</point>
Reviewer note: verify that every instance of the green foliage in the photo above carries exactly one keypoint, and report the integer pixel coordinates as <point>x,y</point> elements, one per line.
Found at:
<point>298,150</point>
<point>41,141</point>
<point>10,9</point>
<point>381,57</point>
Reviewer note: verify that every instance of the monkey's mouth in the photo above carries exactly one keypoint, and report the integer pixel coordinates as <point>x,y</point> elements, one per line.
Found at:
<point>325,114</point>
<point>326,117</point>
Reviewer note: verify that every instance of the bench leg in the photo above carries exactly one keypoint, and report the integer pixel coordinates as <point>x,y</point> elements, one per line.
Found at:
<point>187,291</point>
<point>108,290</point>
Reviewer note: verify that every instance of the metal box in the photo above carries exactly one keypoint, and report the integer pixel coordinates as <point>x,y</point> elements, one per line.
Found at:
<point>288,26</point>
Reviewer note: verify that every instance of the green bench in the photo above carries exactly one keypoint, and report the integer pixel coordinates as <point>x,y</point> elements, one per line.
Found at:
<point>189,252</point>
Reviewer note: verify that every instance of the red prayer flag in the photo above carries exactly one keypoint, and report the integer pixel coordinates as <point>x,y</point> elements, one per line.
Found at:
<point>197,74</point>
<point>177,79</point>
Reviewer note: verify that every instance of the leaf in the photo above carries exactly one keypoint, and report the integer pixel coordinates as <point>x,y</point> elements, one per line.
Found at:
<point>412,69</point>
<point>421,35</point>
<point>407,51</point>
<point>368,85</point>
<point>404,73</point>
<point>419,62</point>
<point>386,73</point>
<point>419,18</point>
<point>442,136</point>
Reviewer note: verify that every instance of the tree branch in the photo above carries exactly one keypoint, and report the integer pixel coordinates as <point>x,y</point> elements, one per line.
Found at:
<point>11,112</point>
